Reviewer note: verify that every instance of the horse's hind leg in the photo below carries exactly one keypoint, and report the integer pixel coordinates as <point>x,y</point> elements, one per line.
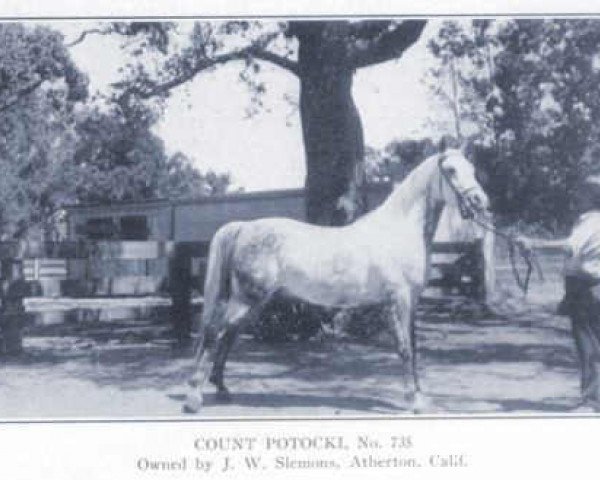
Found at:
<point>206,353</point>
<point>234,317</point>
<point>234,324</point>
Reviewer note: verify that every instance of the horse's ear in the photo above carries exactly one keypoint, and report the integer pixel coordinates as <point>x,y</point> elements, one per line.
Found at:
<point>464,147</point>
<point>442,145</point>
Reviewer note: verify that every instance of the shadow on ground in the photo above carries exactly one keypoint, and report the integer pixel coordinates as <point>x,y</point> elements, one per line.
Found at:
<point>472,363</point>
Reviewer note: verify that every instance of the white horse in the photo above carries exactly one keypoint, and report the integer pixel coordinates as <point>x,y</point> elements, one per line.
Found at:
<point>380,258</point>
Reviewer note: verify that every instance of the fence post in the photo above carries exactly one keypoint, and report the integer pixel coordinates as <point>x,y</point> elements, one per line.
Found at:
<point>484,274</point>
<point>489,265</point>
<point>478,273</point>
<point>14,290</point>
<point>180,285</point>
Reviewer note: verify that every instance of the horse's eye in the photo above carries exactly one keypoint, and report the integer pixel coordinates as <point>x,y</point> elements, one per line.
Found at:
<point>451,171</point>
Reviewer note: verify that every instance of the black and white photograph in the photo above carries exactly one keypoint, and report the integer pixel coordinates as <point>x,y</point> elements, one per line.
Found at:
<point>299,217</point>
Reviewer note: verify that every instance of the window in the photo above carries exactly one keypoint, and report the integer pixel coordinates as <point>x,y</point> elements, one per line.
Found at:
<point>134,227</point>
<point>102,228</point>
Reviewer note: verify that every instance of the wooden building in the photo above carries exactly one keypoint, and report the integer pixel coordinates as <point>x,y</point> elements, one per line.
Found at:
<point>187,220</point>
<point>197,220</point>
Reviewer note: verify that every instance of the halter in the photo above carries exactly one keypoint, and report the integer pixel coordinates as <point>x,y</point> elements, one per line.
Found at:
<point>529,257</point>
<point>465,211</point>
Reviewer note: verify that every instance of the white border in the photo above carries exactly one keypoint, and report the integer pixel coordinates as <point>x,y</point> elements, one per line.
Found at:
<point>498,447</point>
<point>221,8</point>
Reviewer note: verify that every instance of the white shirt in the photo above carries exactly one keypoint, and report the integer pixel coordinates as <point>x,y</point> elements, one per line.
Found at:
<point>585,246</point>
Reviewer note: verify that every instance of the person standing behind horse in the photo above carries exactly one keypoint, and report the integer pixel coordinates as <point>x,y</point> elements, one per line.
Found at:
<point>582,285</point>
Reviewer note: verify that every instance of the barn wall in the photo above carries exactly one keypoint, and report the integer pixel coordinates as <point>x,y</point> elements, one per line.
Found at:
<point>193,220</point>
<point>201,221</point>
<point>158,217</point>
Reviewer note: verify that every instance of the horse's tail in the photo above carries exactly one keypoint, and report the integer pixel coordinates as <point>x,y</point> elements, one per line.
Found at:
<point>217,283</point>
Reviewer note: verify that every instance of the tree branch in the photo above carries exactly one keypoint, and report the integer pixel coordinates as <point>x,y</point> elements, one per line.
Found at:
<point>85,33</point>
<point>20,94</point>
<point>275,59</point>
<point>389,44</point>
<point>205,64</point>
<point>369,29</point>
<point>181,79</point>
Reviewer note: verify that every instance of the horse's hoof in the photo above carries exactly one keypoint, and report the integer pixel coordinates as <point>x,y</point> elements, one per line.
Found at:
<point>404,354</point>
<point>192,405</point>
<point>188,409</point>
<point>223,395</point>
<point>421,403</point>
<point>216,380</point>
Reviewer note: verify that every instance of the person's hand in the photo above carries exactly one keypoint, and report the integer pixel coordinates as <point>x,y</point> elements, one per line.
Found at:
<point>524,243</point>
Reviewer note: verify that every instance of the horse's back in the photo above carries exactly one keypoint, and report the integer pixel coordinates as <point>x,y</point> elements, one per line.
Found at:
<point>270,229</point>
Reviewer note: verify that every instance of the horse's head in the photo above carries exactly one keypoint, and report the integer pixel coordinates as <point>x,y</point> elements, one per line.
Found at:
<point>459,186</point>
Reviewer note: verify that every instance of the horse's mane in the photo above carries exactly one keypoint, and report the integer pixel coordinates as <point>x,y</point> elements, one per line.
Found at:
<point>405,190</point>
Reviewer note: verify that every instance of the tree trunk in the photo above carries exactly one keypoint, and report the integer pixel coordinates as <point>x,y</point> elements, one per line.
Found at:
<point>332,129</point>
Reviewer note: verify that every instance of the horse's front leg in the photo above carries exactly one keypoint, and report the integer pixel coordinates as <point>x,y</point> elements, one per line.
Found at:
<point>399,316</point>
<point>402,313</point>
<point>404,309</point>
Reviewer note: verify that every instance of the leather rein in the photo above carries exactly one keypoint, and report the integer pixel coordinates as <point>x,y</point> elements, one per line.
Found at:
<point>515,249</point>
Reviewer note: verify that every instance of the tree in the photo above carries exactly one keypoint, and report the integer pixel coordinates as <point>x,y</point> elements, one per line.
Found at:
<point>35,146</point>
<point>398,159</point>
<point>324,56</point>
<point>155,34</point>
<point>182,180</point>
<point>463,76</point>
<point>118,158</point>
<point>542,104</point>
<point>58,147</point>
<point>32,56</point>
<point>39,86</point>
<point>547,121</point>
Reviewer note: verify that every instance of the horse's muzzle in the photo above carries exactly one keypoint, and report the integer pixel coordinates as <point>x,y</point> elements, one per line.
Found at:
<point>474,202</point>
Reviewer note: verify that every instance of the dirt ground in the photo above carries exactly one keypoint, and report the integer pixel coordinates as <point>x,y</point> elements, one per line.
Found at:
<point>518,360</point>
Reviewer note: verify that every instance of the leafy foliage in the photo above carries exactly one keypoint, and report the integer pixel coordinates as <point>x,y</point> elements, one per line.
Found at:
<point>38,90</point>
<point>31,56</point>
<point>398,159</point>
<point>534,87</point>
<point>58,148</point>
<point>119,158</point>
<point>180,179</point>
<point>150,36</point>
<point>550,109</point>
<point>463,76</point>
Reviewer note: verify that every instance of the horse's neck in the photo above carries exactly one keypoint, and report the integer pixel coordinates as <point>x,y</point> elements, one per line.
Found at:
<point>411,204</point>
<point>432,220</point>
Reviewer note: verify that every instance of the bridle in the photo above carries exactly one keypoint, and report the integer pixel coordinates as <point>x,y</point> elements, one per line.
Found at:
<point>529,257</point>
<point>466,211</point>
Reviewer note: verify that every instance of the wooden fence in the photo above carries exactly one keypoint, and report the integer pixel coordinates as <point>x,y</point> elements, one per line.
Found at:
<point>104,268</point>
<point>175,270</point>
<point>462,268</point>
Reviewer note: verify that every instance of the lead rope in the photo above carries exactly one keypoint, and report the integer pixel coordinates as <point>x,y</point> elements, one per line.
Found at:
<point>529,256</point>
